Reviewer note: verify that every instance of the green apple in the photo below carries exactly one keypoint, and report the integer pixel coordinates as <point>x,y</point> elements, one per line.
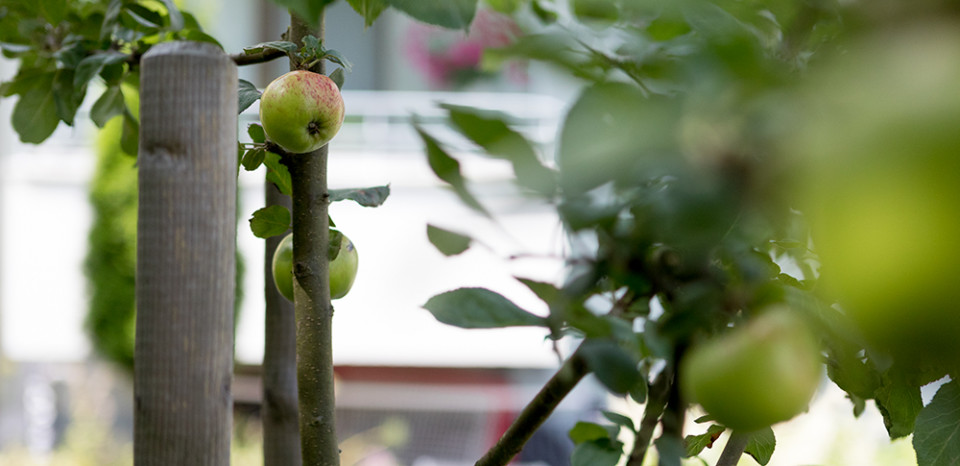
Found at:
<point>301,111</point>
<point>880,146</point>
<point>343,269</point>
<point>755,375</point>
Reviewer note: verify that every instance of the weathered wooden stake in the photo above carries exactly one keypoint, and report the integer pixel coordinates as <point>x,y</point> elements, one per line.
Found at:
<point>185,256</point>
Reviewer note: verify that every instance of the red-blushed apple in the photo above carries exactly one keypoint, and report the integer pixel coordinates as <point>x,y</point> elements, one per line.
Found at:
<point>343,269</point>
<point>301,111</point>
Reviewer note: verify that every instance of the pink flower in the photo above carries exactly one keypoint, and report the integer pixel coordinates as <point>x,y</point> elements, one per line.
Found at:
<point>448,57</point>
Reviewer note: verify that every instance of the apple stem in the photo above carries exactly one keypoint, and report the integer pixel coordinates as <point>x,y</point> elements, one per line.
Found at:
<point>733,450</point>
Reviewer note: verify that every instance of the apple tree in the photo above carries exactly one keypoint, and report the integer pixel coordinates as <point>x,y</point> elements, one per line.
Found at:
<point>772,181</point>
<point>753,193</point>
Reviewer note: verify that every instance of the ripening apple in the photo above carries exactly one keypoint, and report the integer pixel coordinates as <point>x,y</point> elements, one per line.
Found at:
<point>756,375</point>
<point>301,111</point>
<point>880,145</point>
<point>343,269</point>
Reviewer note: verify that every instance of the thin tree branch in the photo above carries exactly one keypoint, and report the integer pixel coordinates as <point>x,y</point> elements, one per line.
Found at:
<point>733,450</point>
<point>263,56</point>
<point>656,402</point>
<point>536,412</point>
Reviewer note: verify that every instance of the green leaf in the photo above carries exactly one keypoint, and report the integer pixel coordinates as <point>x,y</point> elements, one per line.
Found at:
<point>368,9</point>
<point>109,105</point>
<point>504,6</point>
<point>448,242</point>
<point>899,401</point>
<point>253,158</point>
<point>619,419</point>
<point>278,173</point>
<point>604,452</point>
<point>614,133</point>
<point>761,446</point>
<point>35,114</point>
<point>366,197</point>
<point>545,10</point>
<point>337,77</point>
<point>197,35</point>
<point>937,436</point>
<point>490,131</point>
<point>54,11</point>
<point>176,19</point>
<point>333,246</point>
<point>308,10</point>
<point>143,16</point>
<point>670,448</point>
<point>248,94</point>
<point>130,137</point>
<point>256,133</point>
<point>639,392</point>
<point>66,97</point>
<point>614,367</point>
<point>281,45</point>
<point>448,169</point>
<point>667,27</point>
<point>584,431</point>
<point>696,443</point>
<point>451,14</point>
<point>479,308</point>
<point>270,221</point>
<point>338,58</point>
<point>547,292</point>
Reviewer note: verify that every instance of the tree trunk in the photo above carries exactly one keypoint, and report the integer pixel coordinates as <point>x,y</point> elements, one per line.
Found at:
<point>281,432</point>
<point>185,256</point>
<point>311,291</point>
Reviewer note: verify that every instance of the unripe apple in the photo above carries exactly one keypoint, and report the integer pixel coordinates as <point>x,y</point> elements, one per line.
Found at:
<point>343,269</point>
<point>301,111</point>
<point>879,143</point>
<point>756,375</point>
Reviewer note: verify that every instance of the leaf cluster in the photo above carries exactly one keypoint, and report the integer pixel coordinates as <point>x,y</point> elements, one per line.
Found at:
<point>66,48</point>
<point>675,197</point>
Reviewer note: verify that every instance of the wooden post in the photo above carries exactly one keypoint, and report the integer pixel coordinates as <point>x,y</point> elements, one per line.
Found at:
<point>185,256</point>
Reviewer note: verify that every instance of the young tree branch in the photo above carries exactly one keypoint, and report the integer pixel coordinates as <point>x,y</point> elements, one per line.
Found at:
<point>263,56</point>
<point>311,290</point>
<point>656,402</point>
<point>536,412</point>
